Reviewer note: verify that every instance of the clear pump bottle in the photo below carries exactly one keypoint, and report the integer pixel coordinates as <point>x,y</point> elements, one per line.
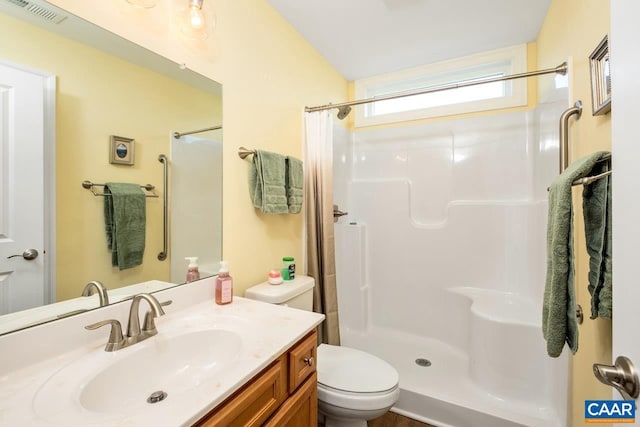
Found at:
<point>224,285</point>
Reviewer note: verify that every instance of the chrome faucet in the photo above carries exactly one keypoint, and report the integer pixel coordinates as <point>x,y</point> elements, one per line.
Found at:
<point>135,334</point>
<point>98,287</point>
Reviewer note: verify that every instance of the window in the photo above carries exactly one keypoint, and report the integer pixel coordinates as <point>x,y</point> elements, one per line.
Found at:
<point>488,96</point>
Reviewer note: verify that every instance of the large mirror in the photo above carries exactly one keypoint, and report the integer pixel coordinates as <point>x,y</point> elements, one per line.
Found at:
<point>104,87</point>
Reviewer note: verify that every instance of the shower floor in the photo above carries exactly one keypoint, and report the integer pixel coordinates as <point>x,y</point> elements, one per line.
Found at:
<point>443,394</point>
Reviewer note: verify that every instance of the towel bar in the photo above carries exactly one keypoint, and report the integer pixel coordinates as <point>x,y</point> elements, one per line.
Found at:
<point>579,314</point>
<point>89,186</point>
<point>590,179</point>
<point>244,152</point>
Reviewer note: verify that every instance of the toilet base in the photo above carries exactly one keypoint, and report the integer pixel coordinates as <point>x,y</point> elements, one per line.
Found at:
<point>331,422</point>
<point>335,416</point>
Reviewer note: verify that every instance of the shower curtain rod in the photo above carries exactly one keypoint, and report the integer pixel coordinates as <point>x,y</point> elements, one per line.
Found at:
<point>345,107</point>
<point>177,135</point>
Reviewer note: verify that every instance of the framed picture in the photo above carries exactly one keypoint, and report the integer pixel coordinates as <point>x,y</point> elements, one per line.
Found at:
<point>122,151</point>
<point>601,78</point>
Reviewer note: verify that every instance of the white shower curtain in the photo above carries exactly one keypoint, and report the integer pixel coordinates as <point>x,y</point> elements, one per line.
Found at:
<point>319,220</point>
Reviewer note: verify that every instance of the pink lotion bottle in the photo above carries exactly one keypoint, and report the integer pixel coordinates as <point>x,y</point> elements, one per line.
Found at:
<point>224,285</point>
<point>192,271</point>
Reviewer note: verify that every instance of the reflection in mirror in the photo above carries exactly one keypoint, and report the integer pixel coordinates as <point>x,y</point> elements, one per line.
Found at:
<point>196,164</point>
<point>93,85</point>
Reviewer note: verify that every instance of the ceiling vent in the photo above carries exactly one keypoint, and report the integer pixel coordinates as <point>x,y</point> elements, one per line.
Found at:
<point>20,3</point>
<point>40,11</point>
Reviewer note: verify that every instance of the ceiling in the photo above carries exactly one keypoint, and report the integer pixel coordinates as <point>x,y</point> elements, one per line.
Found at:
<point>363,38</point>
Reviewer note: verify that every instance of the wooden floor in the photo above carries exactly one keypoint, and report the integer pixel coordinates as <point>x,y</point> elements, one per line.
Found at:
<point>391,419</point>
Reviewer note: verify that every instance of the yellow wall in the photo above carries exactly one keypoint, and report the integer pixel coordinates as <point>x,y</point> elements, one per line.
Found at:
<point>94,100</point>
<point>269,73</point>
<point>574,28</point>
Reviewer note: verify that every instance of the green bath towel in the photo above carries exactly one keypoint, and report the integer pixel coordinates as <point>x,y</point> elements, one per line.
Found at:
<point>294,184</point>
<point>559,323</point>
<point>267,182</point>
<point>125,223</point>
<point>596,205</point>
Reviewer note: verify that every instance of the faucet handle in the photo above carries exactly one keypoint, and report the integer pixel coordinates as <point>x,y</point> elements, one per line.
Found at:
<point>116,339</point>
<point>149,325</point>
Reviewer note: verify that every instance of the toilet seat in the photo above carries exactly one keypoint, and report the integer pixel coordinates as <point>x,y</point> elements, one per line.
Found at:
<point>354,379</point>
<point>358,401</point>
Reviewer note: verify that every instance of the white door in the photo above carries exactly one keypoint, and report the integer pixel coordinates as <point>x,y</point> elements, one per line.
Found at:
<point>22,113</point>
<point>625,81</point>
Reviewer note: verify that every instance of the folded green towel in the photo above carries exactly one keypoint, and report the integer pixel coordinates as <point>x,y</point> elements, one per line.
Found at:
<point>125,222</point>
<point>294,183</point>
<point>559,323</point>
<point>596,205</point>
<point>267,182</point>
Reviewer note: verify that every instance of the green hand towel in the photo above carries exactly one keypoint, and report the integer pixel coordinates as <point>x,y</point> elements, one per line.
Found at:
<point>125,222</point>
<point>559,323</point>
<point>294,183</point>
<point>596,203</point>
<point>267,182</point>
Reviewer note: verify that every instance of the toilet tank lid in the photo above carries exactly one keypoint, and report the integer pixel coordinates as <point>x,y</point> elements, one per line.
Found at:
<point>278,294</point>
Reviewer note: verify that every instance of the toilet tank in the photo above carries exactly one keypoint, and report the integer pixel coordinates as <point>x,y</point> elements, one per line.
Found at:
<point>296,293</point>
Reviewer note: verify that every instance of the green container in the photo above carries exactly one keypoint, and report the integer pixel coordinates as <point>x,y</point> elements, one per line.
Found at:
<point>288,270</point>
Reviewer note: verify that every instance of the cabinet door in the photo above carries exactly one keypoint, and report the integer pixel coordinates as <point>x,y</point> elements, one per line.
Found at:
<point>302,361</point>
<point>255,402</point>
<point>301,409</point>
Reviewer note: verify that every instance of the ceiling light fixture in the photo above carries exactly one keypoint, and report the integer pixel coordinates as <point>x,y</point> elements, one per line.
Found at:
<point>194,23</point>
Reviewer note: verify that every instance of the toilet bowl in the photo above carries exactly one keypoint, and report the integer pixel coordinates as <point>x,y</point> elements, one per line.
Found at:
<point>353,386</point>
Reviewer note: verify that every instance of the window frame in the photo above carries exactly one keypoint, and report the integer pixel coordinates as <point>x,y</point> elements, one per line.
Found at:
<point>510,60</point>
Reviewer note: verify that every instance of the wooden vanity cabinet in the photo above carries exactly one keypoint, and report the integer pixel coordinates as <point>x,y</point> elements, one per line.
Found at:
<point>284,394</point>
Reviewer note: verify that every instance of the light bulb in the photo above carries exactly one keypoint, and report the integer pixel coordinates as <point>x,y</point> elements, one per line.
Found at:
<point>193,22</point>
<point>196,18</point>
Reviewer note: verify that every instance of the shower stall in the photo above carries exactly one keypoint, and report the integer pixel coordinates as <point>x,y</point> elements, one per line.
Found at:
<point>441,263</point>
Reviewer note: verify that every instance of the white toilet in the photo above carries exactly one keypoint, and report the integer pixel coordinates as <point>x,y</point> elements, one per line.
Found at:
<point>353,386</point>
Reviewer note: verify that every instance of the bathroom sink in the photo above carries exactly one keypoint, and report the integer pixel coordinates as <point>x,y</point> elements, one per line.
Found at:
<point>121,381</point>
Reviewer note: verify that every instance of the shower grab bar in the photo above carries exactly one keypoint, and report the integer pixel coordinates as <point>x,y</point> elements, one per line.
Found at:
<point>165,209</point>
<point>576,110</point>
<point>564,133</point>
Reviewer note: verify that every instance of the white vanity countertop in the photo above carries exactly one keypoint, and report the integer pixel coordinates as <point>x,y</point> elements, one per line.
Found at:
<point>26,397</point>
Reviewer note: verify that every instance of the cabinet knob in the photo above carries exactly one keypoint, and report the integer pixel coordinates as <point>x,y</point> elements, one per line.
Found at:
<point>308,361</point>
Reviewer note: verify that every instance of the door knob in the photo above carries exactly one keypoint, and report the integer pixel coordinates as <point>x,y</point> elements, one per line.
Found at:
<point>29,254</point>
<point>337,213</point>
<point>622,376</point>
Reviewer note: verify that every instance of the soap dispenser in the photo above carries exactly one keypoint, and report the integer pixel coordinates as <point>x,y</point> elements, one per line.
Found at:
<point>192,271</point>
<point>224,285</point>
